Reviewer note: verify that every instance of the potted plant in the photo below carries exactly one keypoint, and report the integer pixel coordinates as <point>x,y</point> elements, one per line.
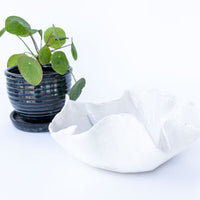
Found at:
<point>38,81</point>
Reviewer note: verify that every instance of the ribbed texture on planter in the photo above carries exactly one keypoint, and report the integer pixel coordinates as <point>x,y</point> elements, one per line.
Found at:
<point>37,104</point>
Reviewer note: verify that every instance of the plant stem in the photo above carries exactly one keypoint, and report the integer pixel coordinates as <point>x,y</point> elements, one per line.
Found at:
<point>72,74</point>
<point>61,47</point>
<point>34,42</point>
<point>50,36</point>
<point>27,47</point>
<point>41,43</point>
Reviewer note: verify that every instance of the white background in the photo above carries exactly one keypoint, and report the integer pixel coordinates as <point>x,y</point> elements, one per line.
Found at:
<point>121,44</point>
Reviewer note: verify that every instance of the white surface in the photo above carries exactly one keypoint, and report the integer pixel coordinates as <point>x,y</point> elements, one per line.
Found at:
<point>135,133</point>
<point>120,43</point>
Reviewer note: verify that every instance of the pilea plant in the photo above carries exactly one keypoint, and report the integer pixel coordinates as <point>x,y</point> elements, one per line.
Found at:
<point>30,63</point>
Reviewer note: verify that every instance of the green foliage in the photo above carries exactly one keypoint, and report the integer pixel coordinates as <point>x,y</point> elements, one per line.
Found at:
<point>13,60</point>
<point>17,26</point>
<point>56,34</point>
<point>52,35</point>
<point>30,69</point>
<point>44,55</point>
<point>35,31</point>
<point>62,38</point>
<point>73,51</point>
<point>2,31</point>
<point>77,89</point>
<point>59,62</point>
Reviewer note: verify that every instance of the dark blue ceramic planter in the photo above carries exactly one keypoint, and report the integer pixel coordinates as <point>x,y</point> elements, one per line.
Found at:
<point>36,106</point>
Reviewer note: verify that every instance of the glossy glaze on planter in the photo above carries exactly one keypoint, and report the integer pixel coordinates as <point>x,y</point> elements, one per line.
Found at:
<point>36,104</point>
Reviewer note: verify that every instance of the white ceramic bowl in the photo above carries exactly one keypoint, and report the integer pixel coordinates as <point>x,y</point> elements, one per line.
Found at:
<point>136,133</point>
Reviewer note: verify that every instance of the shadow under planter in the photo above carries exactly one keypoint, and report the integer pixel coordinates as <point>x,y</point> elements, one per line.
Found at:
<point>36,106</point>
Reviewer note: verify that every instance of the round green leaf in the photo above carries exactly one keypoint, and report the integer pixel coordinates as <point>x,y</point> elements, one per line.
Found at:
<point>12,61</point>
<point>30,69</point>
<point>73,51</point>
<point>44,55</point>
<point>53,33</point>
<point>17,26</point>
<point>77,89</point>
<point>59,62</point>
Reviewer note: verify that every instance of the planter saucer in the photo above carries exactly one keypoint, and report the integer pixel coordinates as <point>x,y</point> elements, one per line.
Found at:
<point>23,125</point>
